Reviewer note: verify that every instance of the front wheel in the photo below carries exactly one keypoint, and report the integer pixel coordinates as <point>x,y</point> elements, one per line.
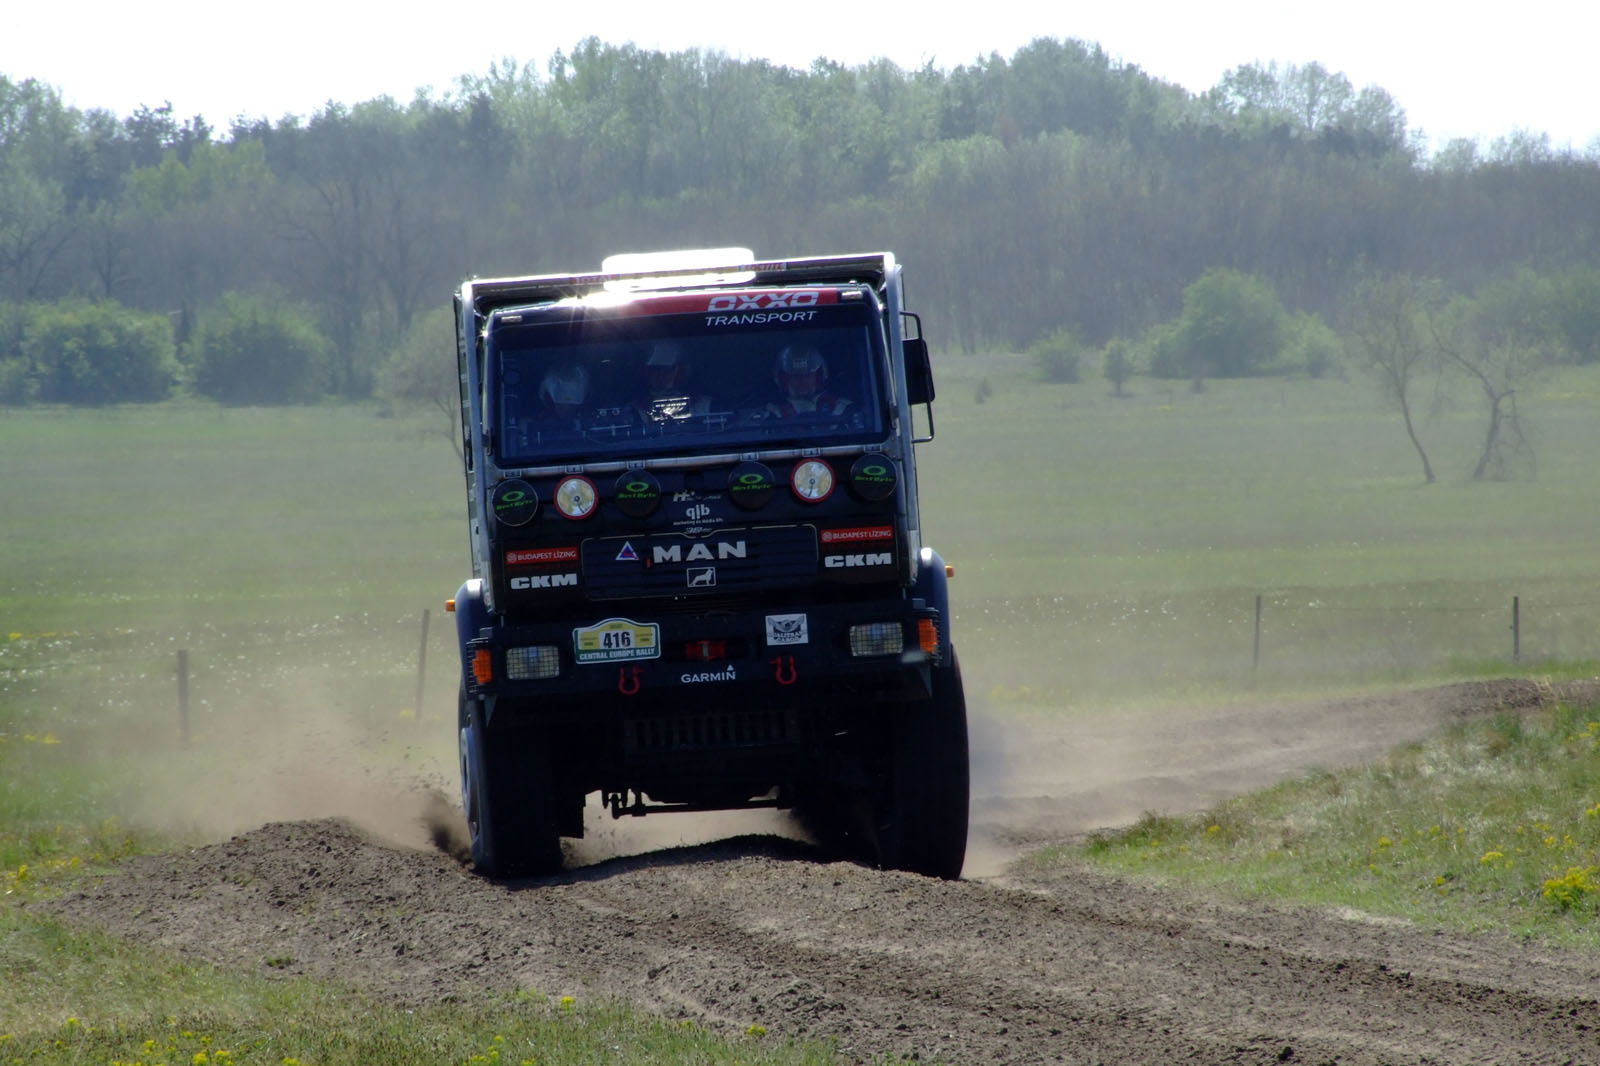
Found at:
<point>507,794</point>
<point>924,823</point>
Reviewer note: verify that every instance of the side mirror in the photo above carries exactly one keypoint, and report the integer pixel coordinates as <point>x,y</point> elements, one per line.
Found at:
<point>919,371</point>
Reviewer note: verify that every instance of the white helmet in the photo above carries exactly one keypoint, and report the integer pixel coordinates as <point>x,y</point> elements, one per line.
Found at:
<point>797,361</point>
<point>565,386</point>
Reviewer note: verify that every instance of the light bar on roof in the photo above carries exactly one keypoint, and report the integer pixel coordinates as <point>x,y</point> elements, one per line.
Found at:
<point>679,267</point>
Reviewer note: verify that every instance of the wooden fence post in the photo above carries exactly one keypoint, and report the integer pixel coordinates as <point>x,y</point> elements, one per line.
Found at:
<point>422,664</point>
<point>183,696</point>
<point>1255,655</point>
<point>1516,629</point>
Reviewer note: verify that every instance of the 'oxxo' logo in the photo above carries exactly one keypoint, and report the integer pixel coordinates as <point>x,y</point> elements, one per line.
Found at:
<point>761,301</point>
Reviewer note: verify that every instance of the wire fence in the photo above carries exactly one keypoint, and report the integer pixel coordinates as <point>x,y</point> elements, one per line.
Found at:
<point>1058,648</point>
<point>406,663</point>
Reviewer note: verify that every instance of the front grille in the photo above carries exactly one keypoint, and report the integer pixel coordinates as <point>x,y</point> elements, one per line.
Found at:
<point>737,562</point>
<point>710,731</point>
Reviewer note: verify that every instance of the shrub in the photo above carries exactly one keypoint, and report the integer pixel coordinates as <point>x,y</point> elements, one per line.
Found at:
<point>421,374</point>
<point>80,352</point>
<point>1232,325</point>
<point>251,349</point>
<point>1116,364</point>
<point>1055,357</point>
<point>16,383</point>
<point>1313,347</point>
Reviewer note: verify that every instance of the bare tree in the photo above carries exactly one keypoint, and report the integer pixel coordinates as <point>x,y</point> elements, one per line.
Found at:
<point>1391,333</point>
<point>1500,340</point>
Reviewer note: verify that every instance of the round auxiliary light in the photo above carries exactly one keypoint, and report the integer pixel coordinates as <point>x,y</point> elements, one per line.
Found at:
<point>872,477</point>
<point>637,493</point>
<point>812,480</point>
<point>750,485</point>
<point>513,502</point>
<point>576,497</point>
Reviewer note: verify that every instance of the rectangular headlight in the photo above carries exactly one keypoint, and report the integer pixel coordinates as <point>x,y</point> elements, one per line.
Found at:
<point>877,638</point>
<point>533,664</point>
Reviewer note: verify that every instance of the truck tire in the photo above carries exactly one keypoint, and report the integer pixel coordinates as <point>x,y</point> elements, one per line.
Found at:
<point>925,828</point>
<point>508,796</point>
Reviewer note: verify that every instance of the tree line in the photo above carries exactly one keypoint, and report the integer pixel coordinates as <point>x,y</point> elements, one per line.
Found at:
<point>1052,197</point>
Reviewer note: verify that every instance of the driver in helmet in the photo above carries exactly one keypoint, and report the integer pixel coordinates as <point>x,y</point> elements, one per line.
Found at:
<point>801,374</point>
<point>563,394</point>
<point>666,396</point>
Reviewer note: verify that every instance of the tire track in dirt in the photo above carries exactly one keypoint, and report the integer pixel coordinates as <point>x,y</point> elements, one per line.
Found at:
<point>1063,965</point>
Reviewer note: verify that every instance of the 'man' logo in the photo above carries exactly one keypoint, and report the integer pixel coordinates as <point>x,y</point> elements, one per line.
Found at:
<point>674,553</point>
<point>545,581</point>
<point>762,301</point>
<point>840,562</point>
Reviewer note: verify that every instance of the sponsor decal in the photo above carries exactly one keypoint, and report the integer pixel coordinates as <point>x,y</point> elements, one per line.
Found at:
<point>627,554</point>
<point>702,577</point>
<point>746,300</point>
<point>728,674</point>
<point>872,477</point>
<point>751,485</point>
<point>638,493</point>
<point>787,629</point>
<point>840,562</point>
<point>545,581</point>
<point>759,301</point>
<point>760,318</point>
<point>674,553</point>
<point>514,502</point>
<point>857,535</point>
<point>541,556</point>
<point>616,638</point>
<point>696,514</point>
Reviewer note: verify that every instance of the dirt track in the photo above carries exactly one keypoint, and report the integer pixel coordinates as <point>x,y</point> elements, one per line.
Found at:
<point>752,926</point>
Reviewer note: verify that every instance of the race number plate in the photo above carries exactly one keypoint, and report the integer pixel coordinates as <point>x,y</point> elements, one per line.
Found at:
<point>615,639</point>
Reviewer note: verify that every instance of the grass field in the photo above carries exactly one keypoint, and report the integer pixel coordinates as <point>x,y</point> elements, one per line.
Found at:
<point>1109,553</point>
<point>1112,549</point>
<point>1491,826</point>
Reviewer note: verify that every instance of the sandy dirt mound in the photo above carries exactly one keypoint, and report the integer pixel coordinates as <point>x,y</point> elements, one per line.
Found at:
<point>998,968</point>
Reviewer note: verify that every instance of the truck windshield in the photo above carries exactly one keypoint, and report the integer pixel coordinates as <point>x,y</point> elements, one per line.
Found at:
<point>570,383</point>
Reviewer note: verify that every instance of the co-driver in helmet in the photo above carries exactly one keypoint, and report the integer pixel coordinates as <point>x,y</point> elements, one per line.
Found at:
<point>666,396</point>
<point>563,394</point>
<point>801,373</point>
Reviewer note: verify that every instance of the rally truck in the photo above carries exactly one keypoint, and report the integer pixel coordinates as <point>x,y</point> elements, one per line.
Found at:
<point>699,580</point>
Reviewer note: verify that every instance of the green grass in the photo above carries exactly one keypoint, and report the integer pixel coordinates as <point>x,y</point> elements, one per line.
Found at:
<point>1493,825</point>
<point>1110,550</point>
<point>72,997</point>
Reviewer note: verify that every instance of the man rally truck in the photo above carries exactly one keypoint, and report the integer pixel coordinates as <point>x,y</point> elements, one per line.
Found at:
<point>698,576</point>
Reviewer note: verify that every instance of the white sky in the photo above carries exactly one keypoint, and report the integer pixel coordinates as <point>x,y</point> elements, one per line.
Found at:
<point>1457,69</point>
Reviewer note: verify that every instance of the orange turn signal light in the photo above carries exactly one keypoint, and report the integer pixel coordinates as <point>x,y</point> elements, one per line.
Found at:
<point>450,606</point>
<point>928,635</point>
<point>483,666</point>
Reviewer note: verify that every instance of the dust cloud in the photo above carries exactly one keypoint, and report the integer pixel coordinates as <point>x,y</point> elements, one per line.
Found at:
<point>298,750</point>
<point>308,744</point>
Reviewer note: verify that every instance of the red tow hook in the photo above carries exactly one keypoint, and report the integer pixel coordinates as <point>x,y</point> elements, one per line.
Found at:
<point>784,677</point>
<point>628,685</point>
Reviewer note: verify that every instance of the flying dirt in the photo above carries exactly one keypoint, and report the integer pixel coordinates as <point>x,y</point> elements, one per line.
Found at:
<point>743,922</point>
